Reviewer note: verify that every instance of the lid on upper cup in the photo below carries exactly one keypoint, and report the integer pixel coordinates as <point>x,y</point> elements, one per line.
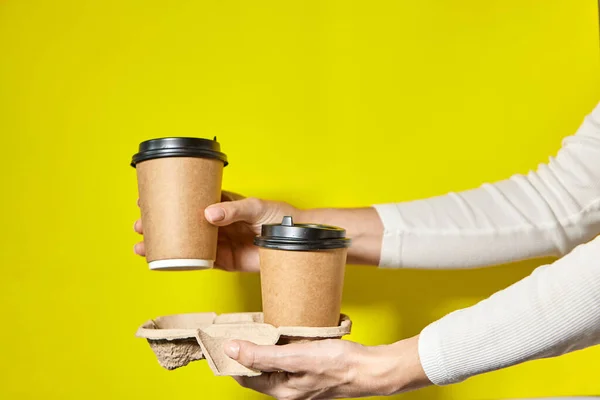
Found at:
<point>290,236</point>
<point>178,147</point>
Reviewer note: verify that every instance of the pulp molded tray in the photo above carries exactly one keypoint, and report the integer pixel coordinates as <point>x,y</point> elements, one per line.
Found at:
<point>180,339</point>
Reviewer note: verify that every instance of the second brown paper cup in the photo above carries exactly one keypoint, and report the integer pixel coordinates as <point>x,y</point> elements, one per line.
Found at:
<point>302,273</point>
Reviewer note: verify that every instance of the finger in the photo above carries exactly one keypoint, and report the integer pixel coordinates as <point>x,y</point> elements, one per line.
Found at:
<point>224,258</point>
<point>230,196</point>
<point>249,210</point>
<point>139,249</point>
<point>272,384</point>
<point>138,227</point>
<point>138,202</point>
<point>266,358</point>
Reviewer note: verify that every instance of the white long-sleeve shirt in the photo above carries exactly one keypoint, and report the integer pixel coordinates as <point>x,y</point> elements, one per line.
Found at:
<point>552,211</point>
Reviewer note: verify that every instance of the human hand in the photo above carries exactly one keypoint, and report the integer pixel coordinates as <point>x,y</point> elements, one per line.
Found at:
<point>327,369</point>
<point>239,220</point>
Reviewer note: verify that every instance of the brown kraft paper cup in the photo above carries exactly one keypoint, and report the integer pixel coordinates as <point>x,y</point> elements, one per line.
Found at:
<point>302,288</point>
<point>174,192</point>
<point>302,273</point>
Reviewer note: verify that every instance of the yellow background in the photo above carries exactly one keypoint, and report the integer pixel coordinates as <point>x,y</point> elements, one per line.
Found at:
<point>321,103</point>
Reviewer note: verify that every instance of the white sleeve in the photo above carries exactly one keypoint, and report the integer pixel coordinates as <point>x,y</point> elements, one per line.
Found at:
<point>553,311</point>
<point>544,213</point>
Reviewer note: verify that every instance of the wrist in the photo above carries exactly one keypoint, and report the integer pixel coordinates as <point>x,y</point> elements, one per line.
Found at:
<point>397,367</point>
<point>362,225</point>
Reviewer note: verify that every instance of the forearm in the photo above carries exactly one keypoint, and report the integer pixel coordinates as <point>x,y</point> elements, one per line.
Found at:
<point>362,225</point>
<point>544,213</point>
<point>553,311</point>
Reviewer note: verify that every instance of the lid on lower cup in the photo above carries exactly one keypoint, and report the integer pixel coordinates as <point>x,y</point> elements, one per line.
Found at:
<point>178,147</point>
<point>290,236</point>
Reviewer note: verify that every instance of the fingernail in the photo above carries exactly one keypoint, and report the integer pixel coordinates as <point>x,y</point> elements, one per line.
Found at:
<point>215,214</point>
<point>135,248</point>
<point>232,349</point>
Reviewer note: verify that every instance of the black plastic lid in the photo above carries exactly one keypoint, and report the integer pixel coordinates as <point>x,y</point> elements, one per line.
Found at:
<point>178,147</point>
<point>290,236</point>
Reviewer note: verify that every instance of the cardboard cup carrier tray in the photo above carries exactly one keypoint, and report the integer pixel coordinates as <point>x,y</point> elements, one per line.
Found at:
<point>180,339</point>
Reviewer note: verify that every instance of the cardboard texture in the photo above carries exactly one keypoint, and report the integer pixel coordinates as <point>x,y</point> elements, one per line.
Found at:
<point>213,338</point>
<point>238,318</point>
<point>172,340</point>
<point>179,339</point>
<point>302,288</point>
<point>174,354</point>
<point>173,195</point>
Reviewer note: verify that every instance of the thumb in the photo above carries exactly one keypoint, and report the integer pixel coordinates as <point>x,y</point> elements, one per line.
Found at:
<point>260,358</point>
<point>250,210</point>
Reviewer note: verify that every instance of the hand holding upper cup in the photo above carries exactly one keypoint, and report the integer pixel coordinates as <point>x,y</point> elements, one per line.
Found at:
<point>239,220</point>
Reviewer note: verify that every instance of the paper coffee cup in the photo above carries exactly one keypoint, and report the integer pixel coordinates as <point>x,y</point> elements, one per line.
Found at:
<point>177,179</point>
<point>302,273</point>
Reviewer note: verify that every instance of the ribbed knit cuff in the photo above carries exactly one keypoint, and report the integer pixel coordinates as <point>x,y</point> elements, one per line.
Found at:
<point>595,114</point>
<point>430,353</point>
<point>391,246</point>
